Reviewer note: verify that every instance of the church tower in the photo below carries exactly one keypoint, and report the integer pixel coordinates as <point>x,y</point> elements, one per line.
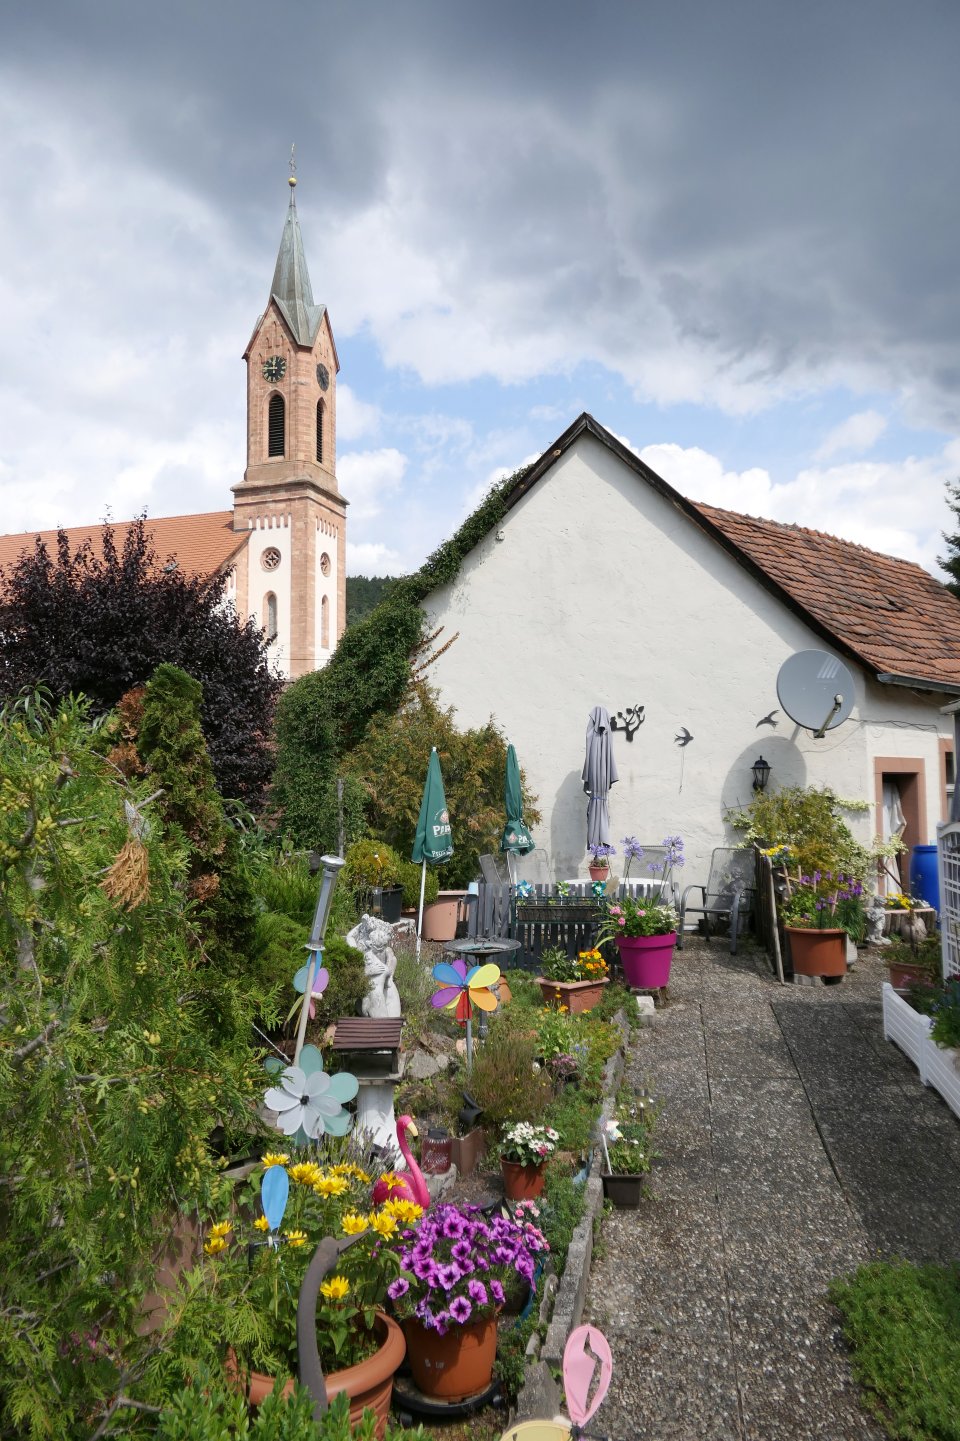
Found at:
<point>292,578</point>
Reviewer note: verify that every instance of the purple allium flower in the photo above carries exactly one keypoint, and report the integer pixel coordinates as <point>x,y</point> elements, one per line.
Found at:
<point>478,1292</point>
<point>398,1288</point>
<point>460,1309</point>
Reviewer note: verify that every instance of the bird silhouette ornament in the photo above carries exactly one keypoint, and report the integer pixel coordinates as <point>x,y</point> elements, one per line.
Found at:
<point>683,737</point>
<point>768,719</point>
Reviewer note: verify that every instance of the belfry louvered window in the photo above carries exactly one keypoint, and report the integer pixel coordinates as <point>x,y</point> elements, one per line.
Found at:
<point>320,431</point>
<point>277,427</point>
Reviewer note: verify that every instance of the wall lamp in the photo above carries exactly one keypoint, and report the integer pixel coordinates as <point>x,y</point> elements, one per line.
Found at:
<point>761,773</point>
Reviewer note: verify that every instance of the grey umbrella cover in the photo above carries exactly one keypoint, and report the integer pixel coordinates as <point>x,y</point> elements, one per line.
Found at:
<point>599,774</point>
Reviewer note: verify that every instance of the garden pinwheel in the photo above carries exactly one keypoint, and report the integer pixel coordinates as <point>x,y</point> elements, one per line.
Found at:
<point>464,989</point>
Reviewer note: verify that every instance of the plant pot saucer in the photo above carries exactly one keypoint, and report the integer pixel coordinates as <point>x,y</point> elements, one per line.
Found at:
<point>409,1401</point>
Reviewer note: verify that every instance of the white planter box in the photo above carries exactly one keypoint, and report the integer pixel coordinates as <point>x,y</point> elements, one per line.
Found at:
<point>911,1032</point>
<point>902,1024</point>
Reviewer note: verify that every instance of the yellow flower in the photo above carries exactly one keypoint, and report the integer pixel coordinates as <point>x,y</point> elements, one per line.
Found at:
<point>389,1179</point>
<point>215,1244</point>
<point>331,1185</point>
<point>262,1224</point>
<point>336,1288</point>
<point>347,1168</point>
<point>383,1223</point>
<point>306,1173</point>
<point>296,1238</point>
<point>222,1228</point>
<point>353,1224</point>
<point>405,1211</point>
<point>275,1158</point>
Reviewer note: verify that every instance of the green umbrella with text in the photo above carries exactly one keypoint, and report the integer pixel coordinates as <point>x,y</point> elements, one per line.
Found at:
<point>433,841</point>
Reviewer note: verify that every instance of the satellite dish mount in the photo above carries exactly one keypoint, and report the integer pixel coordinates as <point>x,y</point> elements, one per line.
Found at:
<point>816,690</point>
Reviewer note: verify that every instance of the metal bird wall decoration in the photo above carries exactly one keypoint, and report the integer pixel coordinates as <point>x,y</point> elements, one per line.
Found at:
<point>683,738</point>
<point>768,720</point>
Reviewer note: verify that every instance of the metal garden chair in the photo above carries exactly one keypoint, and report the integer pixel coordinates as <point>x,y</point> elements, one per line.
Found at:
<point>728,894</point>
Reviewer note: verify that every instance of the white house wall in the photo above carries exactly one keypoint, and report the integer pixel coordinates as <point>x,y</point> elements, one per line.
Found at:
<point>600,592</point>
<point>275,533</point>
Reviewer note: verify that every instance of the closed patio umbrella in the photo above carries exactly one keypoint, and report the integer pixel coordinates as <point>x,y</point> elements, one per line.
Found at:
<point>599,774</point>
<point>516,839</point>
<point>433,841</point>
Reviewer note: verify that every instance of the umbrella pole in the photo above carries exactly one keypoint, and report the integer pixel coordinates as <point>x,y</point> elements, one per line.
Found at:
<point>512,867</point>
<point>423,886</point>
<point>305,1009</point>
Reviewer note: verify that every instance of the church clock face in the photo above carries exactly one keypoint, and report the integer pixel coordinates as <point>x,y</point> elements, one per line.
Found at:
<point>274,368</point>
<point>323,377</point>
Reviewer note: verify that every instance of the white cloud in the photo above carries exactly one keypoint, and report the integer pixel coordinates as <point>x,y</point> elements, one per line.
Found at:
<point>895,507</point>
<point>368,478</point>
<point>373,558</point>
<point>853,436</point>
<point>356,419</point>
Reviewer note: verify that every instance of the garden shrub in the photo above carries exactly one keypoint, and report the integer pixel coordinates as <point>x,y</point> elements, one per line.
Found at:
<point>504,1080</point>
<point>808,819</point>
<point>124,1046</point>
<point>903,1323</point>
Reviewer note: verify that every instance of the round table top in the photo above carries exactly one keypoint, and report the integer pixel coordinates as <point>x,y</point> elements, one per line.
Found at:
<point>482,946</point>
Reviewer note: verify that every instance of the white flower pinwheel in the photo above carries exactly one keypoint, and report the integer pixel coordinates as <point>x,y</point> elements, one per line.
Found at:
<point>312,1101</point>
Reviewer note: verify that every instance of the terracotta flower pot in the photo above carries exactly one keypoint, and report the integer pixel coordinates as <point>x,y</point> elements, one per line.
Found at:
<point>522,1183</point>
<point>440,916</point>
<point>904,974</point>
<point>646,960</point>
<point>369,1384</point>
<point>817,952</point>
<point>577,996</point>
<point>453,1366</point>
<point>599,873</point>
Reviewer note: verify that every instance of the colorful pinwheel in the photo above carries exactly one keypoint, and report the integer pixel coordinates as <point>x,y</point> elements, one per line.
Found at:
<point>464,989</point>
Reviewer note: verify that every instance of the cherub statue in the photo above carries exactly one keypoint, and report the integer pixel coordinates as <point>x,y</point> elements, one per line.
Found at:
<point>875,922</point>
<point>373,937</point>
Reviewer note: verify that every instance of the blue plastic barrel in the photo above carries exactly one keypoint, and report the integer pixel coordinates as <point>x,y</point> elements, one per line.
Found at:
<point>924,880</point>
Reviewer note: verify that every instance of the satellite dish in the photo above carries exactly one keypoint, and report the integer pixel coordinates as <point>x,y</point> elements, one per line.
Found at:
<point>816,690</point>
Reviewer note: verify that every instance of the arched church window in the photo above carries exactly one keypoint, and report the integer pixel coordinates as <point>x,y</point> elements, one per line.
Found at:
<point>324,623</point>
<point>320,431</point>
<point>270,615</point>
<point>277,427</point>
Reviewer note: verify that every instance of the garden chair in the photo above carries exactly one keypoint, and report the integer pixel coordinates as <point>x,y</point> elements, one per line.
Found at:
<point>728,894</point>
<point>494,870</point>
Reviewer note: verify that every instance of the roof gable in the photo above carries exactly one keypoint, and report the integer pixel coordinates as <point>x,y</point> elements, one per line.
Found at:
<point>890,615</point>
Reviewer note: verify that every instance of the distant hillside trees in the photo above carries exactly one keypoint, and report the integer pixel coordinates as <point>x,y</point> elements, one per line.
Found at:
<point>364,592</point>
<point>99,620</point>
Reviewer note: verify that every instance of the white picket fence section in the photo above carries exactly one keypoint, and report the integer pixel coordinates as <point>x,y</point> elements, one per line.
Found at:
<point>911,1032</point>
<point>948,867</point>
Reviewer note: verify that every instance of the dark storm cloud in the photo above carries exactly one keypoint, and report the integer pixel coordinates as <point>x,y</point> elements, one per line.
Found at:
<point>774,186</point>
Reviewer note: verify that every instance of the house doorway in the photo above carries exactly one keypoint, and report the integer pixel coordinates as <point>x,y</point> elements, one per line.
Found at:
<point>901,809</point>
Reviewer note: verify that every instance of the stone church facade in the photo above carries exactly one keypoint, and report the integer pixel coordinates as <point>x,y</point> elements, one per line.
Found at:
<point>282,548</point>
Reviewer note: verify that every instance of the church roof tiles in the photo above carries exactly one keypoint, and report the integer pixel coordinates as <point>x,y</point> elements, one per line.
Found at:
<point>202,544</point>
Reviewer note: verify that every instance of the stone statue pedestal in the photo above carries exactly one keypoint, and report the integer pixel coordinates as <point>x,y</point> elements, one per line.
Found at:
<point>370,1049</point>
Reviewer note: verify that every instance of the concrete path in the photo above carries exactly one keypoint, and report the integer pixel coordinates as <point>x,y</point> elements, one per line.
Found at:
<point>795,1143</point>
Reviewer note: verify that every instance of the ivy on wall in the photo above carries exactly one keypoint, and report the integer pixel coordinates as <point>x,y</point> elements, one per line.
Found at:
<point>325,714</point>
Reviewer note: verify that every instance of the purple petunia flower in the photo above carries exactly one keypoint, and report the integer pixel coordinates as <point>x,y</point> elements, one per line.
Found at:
<point>398,1288</point>
<point>460,1309</point>
<point>478,1292</point>
<point>496,1291</point>
<point>448,1276</point>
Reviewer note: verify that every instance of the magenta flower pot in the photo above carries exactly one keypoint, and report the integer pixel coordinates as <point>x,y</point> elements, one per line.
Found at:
<point>646,960</point>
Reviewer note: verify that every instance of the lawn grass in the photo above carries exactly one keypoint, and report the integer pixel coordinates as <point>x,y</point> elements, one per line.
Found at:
<point>903,1323</point>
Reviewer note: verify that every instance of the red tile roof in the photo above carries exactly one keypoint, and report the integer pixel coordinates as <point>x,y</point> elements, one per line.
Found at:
<point>893,615</point>
<point>203,544</point>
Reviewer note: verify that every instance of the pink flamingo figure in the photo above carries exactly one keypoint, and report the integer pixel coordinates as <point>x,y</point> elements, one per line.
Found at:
<point>409,1186</point>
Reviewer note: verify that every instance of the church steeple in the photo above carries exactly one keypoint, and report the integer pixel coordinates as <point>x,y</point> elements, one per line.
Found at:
<point>291,287</point>
<point>289,497</point>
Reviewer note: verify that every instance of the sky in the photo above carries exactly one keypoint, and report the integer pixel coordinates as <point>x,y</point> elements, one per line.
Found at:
<point>728,230</point>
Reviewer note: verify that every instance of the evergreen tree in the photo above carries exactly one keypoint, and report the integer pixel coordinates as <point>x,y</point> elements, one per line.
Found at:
<point>99,620</point>
<point>951,561</point>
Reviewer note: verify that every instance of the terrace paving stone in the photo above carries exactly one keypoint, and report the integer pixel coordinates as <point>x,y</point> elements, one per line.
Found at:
<point>795,1144</point>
